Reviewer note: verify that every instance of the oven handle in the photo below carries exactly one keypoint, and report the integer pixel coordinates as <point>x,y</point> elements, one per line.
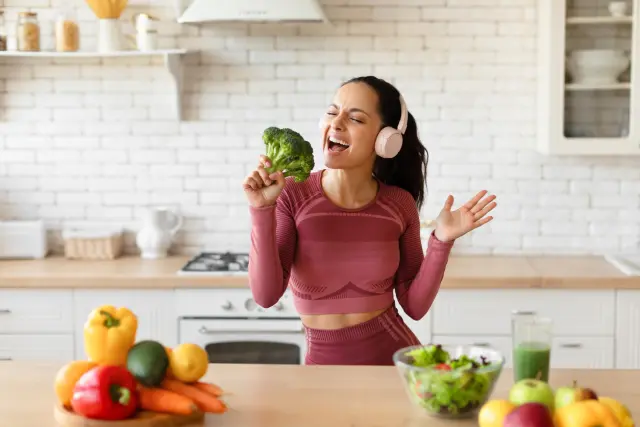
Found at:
<point>206,331</point>
<point>251,326</point>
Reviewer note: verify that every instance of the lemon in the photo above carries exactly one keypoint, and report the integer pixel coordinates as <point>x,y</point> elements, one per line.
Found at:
<point>619,410</point>
<point>493,413</point>
<point>189,362</point>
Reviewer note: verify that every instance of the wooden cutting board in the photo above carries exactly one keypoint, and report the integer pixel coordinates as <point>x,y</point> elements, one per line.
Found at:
<point>66,418</point>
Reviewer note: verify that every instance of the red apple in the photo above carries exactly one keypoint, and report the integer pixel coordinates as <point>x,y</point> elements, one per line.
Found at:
<point>568,395</point>
<point>529,414</point>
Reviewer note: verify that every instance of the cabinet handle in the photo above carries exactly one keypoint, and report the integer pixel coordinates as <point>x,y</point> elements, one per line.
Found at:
<point>571,345</point>
<point>5,311</point>
<point>523,313</point>
<point>5,359</point>
<point>481,344</point>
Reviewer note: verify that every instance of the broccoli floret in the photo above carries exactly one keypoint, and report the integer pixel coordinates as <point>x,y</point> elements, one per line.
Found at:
<point>289,152</point>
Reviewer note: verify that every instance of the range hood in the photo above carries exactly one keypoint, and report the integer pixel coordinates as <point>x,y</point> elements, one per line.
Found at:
<point>201,11</point>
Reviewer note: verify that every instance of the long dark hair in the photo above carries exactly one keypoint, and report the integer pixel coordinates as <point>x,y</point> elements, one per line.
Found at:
<point>407,170</point>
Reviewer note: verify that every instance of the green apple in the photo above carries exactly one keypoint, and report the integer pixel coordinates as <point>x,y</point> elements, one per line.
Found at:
<point>568,395</point>
<point>532,390</point>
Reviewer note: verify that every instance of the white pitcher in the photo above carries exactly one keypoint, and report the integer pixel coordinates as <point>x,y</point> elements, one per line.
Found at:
<point>158,230</point>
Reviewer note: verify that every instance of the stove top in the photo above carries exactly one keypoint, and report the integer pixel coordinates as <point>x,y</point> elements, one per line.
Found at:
<point>222,263</point>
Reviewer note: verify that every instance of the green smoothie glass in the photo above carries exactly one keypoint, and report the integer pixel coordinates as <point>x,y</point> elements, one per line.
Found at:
<point>532,337</point>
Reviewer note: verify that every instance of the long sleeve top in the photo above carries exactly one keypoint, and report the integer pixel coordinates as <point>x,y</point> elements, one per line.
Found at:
<point>337,260</point>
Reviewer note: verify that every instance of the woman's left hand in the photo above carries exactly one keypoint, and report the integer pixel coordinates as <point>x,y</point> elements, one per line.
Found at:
<point>451,225</point>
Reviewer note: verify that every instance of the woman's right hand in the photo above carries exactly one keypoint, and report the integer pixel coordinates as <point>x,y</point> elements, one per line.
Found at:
<point>261,188</point>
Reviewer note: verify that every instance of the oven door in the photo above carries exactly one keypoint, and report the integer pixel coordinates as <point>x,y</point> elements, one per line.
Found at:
<point>258,341</point>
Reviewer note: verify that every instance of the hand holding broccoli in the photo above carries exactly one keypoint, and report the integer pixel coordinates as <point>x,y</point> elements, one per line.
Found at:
<point>288,154</point>
<point>262,188</point>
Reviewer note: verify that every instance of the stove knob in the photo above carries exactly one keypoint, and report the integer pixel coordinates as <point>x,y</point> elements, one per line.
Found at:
<point>227,306</point>
<point>250,304</point>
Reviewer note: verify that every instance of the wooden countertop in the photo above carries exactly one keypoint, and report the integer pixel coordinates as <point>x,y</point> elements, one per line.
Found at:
<point>471,271</point>
<point>298,396</point>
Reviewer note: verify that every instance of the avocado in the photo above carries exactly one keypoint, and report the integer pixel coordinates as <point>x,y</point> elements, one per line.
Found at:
<point>148,362</point>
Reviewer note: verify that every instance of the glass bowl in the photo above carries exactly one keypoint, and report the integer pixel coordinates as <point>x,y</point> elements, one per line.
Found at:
<point>454,390</point>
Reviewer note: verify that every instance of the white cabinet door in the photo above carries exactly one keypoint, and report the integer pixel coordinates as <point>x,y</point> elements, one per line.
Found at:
<point>488,311</point>
<point>157,319</point>
<point>35,311</point>
<point>37,348</point>
<point>583,353</point>
<point>628,329</point>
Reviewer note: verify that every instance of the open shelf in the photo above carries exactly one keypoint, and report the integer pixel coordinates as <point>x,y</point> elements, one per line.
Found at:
<point>599,20</point>
<point>588,86</point>
<point>172,62</point>
<point>92,54</point>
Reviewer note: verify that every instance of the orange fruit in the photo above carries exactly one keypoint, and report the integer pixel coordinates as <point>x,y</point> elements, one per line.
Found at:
<point>67,377</point>
<point>493,412</point>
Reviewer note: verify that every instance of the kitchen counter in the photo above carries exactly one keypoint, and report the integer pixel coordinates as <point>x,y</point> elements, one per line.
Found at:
<point>470,272</point>
<point>294,396</point>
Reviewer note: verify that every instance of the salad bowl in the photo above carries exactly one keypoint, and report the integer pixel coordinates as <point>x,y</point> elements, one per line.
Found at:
<point>449,381</point>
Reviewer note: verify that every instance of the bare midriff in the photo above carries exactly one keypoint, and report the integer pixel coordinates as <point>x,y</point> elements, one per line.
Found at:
<point>338,321</point>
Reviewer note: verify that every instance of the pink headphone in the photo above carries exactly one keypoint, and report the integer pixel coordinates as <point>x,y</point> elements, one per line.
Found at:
<point>389,140</point>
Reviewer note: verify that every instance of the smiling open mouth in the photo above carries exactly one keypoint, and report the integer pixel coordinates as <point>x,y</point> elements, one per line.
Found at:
<point>337,145</point>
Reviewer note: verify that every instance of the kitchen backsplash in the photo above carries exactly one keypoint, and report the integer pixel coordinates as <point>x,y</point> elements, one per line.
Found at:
<point>91,142</point>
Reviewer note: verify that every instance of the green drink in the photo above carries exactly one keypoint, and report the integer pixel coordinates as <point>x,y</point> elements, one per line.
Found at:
<point>531,360</point>
<point>531,347</point>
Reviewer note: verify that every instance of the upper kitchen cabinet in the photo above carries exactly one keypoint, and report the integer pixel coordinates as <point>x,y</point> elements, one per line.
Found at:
<point>588,93</point>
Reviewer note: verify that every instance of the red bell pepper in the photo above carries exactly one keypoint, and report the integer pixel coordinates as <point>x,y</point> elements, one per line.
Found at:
<point>106,393</point>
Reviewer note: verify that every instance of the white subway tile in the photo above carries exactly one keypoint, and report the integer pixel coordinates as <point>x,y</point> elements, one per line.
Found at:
<point>327,57</point>
<point>405,44</point>
<point>372,28</point>
<point>614,201</point>
<point>298,71</point>
<point>272,57</point>
<point>246,72</point>
<point>373,57</point>
<point>78,198</point>
<point>146,183</point>
<point>152,156</point>
<point>395,13</point>
<point>270,86</point>
<point>471,28</point>
<point>337,13</point>
<point>428,29</point>
<point>332,42</point>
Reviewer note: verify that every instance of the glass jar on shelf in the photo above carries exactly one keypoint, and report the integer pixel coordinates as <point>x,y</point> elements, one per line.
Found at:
<point>3,32</point>
<point>67,31</point>
<point>28,32</point>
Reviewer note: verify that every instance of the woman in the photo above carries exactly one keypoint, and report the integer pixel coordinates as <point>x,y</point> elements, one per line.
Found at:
<point>349,236</point>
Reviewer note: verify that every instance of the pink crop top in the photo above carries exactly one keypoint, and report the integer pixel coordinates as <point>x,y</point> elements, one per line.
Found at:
<point>336,260</point>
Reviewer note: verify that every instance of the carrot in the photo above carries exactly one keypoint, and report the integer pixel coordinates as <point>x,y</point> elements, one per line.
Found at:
<point>205,401</point>
<point>210,388</point>
<point>165,401</point>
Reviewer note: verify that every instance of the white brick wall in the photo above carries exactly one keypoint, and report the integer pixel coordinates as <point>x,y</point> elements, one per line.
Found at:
<point>92,142</point>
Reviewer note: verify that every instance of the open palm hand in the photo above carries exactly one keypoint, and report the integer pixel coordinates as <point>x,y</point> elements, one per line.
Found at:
<point>451,225</point>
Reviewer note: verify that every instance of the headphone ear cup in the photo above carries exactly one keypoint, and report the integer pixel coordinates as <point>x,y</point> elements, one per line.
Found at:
<point>388,143</point>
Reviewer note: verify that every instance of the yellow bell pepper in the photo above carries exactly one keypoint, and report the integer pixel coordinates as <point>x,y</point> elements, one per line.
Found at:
<point>585,413</point>
<point>109,333</point>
